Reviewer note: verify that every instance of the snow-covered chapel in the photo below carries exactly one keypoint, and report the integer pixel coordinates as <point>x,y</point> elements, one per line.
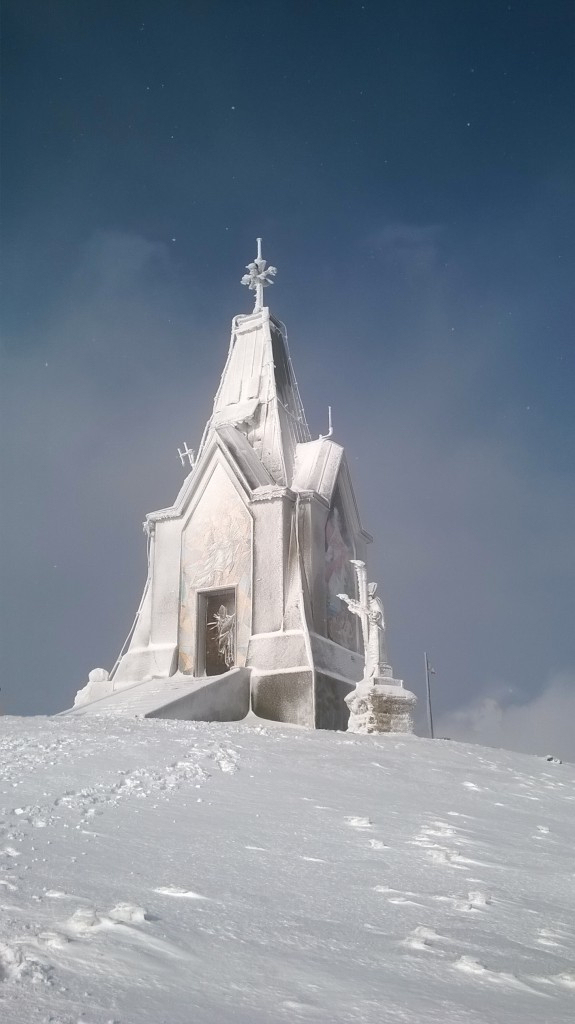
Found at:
<point>241,612</point>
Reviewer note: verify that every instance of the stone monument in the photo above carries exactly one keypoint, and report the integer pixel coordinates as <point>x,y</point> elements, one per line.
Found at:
<point>241,611</point>
<point>379,703</point>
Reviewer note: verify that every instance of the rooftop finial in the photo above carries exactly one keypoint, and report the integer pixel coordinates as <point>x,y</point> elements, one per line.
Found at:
<point>258,277</point>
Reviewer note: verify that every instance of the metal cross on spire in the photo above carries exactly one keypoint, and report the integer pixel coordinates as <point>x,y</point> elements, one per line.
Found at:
<point>258,277</point>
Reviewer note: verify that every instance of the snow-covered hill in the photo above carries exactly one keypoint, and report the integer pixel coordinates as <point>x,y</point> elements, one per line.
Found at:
<point>184,873</point>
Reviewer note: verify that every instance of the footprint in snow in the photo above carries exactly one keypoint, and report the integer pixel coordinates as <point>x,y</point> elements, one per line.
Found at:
<point>423,938</point>
<point>300,1009</point>
<point>128,913</point>
<point>396,896</point>
<point>543,832</point>
<point>566,978</point>
<point>178,891</point>
<point>17,965</point>
<point>52,940</point>
<point>440,831</point>
<point>388,889</point>
<point>469,965</point>
<point>32,816</point>
<point>226,759</point>
<point>87,919</point>
<point>551,937</point>
<point>476,901</point>
<point>124,924</point>
<point>442,856</point>
<point>400,901</point>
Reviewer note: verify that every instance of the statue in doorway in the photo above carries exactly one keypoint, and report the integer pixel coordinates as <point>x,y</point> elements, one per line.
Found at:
<point>224,626</point>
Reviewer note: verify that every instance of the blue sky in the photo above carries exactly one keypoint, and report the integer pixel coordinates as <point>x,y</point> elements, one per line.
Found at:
<point>410,169</point>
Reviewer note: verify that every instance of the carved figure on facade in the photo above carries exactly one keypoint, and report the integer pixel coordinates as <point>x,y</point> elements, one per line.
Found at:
<point>216,552</point>
<point>224,626</point>
<point>215,548</point>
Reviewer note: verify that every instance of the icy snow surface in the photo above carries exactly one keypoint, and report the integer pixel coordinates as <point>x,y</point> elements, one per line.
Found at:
<point>156,872</point>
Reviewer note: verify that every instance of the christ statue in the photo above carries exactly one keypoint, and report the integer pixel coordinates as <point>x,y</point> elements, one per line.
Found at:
<point>369,610</point>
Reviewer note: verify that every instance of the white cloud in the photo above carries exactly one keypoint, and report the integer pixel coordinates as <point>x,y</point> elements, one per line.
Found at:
<point>543,725</point>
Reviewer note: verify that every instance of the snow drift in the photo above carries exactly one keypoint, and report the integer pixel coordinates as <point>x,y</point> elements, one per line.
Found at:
<point>160,872</point>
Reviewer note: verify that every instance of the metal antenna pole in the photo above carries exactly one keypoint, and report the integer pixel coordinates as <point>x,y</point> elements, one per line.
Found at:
<point>259,285</point>
<point>428,688</point>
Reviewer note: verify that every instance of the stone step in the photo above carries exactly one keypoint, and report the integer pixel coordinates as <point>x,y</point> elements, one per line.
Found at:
<point>223,698</point>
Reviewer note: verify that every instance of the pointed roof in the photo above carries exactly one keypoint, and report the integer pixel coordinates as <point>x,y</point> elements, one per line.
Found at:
<point>321,466</point>
<point>258,394</point>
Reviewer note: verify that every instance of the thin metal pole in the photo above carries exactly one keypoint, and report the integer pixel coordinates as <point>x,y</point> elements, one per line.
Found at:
<point>428,688</point>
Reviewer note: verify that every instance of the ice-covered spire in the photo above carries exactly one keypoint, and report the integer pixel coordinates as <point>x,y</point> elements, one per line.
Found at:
<point>258,277</point>
<point>258,393</point>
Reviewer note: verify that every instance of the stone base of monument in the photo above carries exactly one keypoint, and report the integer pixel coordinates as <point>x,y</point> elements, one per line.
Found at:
<point>380,706</point>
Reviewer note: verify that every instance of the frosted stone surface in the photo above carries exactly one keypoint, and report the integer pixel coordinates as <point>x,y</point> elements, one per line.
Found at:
<point>216,552</point>
<point>98,675</point>
<point>380,708</point>
<point>98,685</point>
<point>342,627</point>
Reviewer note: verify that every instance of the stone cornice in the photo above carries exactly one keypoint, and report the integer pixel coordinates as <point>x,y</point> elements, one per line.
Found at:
<point>272,494</point>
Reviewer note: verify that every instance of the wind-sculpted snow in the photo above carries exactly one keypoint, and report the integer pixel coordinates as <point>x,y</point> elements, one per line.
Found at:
<point>156,872</point>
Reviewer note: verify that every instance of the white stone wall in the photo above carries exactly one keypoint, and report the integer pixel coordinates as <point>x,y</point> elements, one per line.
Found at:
<point>216,552</point>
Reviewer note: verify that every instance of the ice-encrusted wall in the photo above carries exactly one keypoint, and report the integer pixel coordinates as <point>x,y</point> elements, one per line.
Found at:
<point>216,552</point>
<point>339,579</point>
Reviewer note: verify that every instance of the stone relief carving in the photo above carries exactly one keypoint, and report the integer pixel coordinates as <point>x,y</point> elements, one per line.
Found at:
<point>216,552</point>
<point>222,542</point>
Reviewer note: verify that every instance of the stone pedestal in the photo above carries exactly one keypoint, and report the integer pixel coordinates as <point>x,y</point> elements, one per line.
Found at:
<point>377,705</point>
